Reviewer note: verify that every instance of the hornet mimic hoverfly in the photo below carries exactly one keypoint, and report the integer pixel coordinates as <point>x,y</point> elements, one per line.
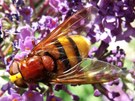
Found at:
<point>61,57</point>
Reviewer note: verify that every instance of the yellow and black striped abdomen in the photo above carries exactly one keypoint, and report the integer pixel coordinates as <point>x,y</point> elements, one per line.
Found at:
<point>71,51</point>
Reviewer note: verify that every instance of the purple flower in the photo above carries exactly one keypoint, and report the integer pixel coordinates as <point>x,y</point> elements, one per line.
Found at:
<point>75,4</point>
<point>7,87</point>
<point>54,3</point>
<point>97,92</point>
<point>26,44</point>
<point>53,98</point>
<point>111,14</point>
<point>118,94</point>
<point>35,26</point>
<point>110,22</point>
<point>24,32</point>
<point>22,55</point>
<point>32,96</point>
<point>12,97</point>
<point>24,24</point>
<point>18,2</point>
<point>59,5</point>
<point>26,13</point>
<point>27,40</point>
<point>48,22</point>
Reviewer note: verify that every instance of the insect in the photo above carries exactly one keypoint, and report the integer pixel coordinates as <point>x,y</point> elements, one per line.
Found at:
<point>61,57</point>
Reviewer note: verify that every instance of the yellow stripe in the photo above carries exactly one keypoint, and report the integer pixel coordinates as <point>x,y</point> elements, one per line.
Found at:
<point>83,44</point>
<point>69,50</point>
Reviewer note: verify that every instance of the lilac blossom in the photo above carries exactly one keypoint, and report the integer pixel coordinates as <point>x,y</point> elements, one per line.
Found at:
<point>117,16</point>
<point>18,2</point>
<point>26,13</point>
<point>59,5</point>
<point>25,23</point>
<point>47,22</point>
<point>12,97</point>
<point>32,96</point>
<point>120,95</point>
<point>7,87</point>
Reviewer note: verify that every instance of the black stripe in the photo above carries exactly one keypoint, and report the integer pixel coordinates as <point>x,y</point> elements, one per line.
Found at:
<point>77,53</point>
<point>63,56</point>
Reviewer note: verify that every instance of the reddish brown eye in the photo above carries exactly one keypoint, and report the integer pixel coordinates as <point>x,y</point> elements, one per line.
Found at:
<point>14,68</point>
<point>48,63</point>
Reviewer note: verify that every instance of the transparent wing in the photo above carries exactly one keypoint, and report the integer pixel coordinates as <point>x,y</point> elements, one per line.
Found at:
<point>76,22</point>
<point>89,71</point>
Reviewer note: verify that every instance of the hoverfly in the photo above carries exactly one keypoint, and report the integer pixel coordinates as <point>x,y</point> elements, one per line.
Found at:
<point>61,57</point>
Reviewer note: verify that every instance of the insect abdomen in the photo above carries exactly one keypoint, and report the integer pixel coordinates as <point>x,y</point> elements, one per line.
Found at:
<point>82,44</point>
<point>72,49</point>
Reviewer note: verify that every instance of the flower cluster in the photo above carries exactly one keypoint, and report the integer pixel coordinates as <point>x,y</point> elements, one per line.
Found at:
<point>117,16</point>
<point>24,23</point>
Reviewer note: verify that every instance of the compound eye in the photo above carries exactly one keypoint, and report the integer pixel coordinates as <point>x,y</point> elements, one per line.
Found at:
<point>15,76</point>
<point>14,68</point>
